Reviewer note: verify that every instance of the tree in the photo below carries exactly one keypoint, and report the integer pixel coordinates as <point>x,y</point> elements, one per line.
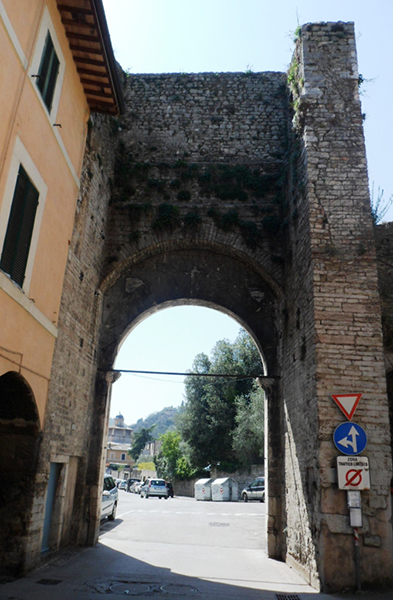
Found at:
<point>209,414</point>
<point>248,435</point>
<point>171,461</point>
<point>141,438</point>
<point>169,454</point>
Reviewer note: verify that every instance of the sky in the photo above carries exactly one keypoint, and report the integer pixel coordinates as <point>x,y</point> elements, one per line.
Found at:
<point>167,341</point>
<point>189,36</point>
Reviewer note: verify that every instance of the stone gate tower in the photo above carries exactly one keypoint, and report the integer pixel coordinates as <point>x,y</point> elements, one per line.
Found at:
<point>247,193</point>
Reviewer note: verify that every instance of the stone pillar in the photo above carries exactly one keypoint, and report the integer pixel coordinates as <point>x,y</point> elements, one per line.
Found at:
<point>97,457</point>
<point>330,185</point>
<point>274,469</point>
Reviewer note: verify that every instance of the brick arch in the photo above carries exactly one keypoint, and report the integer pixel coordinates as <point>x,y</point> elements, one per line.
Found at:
<point>19,445</point>
<point>17,400</point>
<point>206,274</point>
<point>185,302</point>
<point>216,277</point>
<point>265,261</point>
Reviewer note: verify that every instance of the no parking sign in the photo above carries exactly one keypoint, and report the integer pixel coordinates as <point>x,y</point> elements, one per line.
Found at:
<point>353,473</point>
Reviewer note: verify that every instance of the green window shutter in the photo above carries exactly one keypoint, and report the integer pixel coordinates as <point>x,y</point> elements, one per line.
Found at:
<point>48,72</point>
<point>20,228</point>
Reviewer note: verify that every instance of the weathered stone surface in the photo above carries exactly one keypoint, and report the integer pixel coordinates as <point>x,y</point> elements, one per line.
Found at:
<point>210,190</point>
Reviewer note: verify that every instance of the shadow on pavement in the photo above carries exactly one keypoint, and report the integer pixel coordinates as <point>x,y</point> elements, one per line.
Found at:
<point>87,574</point>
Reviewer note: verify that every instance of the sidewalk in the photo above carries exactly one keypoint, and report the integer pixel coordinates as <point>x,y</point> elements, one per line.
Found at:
<point>90,572</point>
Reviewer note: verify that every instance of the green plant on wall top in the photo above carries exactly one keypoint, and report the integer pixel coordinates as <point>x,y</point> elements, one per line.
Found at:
<point>192,219</point>
<point>167,217</point>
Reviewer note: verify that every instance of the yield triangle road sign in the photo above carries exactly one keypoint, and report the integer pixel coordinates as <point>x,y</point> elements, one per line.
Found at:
<point>347,403</point>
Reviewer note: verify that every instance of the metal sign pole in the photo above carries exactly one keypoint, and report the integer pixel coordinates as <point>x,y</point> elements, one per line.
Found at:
<point>357,559</point>
<point>352,470</point>
<point>356,521</point>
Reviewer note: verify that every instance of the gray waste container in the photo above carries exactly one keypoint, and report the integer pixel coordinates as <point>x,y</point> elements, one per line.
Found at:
<point>224,490</point>
<point>203,489</point>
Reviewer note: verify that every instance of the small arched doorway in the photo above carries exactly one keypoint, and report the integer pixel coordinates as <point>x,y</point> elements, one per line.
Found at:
<point>19,445</point>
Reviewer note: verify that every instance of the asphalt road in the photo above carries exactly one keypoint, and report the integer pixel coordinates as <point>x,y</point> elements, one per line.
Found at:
<point>214,540</point>
<point>174,549</point>
<point>220,542</point>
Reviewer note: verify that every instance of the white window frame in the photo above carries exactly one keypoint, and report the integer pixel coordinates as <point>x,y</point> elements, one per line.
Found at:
<point>47,25</point>
<point>22,157</point>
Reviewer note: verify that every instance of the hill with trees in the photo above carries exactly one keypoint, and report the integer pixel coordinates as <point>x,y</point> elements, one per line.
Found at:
<point>164,421</point>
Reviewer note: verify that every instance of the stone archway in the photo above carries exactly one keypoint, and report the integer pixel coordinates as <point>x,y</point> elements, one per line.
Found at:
<point>214,190</point>
<point>215,277</point>
<point>19,446</point>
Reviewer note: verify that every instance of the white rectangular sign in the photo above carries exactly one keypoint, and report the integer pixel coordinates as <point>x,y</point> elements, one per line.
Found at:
<point>353,473</point>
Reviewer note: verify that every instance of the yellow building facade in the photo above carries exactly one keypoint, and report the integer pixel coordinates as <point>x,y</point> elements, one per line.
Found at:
<point>42,140</point>
<point>56,68</point>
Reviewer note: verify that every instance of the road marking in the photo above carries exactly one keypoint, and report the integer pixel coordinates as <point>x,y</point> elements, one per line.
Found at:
<point>126,513</point>
<point>166,512</point>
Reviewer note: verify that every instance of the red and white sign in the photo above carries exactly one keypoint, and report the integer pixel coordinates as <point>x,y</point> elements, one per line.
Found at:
<point>347,403</point>
<point>353,473</point>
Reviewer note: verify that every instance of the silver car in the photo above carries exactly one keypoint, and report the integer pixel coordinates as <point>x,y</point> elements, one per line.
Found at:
<point>109,498</point>
<point>254,491</point>
<point>154,487</point>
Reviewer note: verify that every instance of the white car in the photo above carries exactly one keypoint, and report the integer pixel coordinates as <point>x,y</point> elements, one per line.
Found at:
<point>154,487</point>
<point>109,499</point>
<point>254,491</point>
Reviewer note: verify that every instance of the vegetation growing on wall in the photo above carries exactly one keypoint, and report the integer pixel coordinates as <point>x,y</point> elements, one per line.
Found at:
<point>159,191</point>
<point>223,181</point>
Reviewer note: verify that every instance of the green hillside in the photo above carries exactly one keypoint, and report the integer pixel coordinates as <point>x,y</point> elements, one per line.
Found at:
<point>164,421</point>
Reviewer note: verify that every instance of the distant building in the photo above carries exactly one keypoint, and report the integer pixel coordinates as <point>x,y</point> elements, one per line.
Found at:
<point>119,433</point>
<point>118,462</point>
<point>151,449</point>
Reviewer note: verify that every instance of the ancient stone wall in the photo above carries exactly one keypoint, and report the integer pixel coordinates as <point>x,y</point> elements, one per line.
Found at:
<point>206,192</point>
<point>206,117</point>
<point>384,247</point>
<point>196,215</point>
<point>336,312</point>
<point>200,155</point>
<point>70,419</point>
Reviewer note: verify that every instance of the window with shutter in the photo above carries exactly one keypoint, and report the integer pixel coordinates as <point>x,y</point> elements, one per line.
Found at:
<point>20,228</point>
<point>48,72</point>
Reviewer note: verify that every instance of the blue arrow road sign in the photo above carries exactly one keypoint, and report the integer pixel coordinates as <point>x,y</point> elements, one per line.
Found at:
<point>350,438</point>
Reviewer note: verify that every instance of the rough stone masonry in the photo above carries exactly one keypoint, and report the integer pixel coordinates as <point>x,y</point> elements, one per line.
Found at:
<point>245,192</point>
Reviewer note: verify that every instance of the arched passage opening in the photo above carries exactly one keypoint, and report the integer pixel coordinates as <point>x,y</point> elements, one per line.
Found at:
<point>212,278</point>
<point>168,342</point>
<point>19,445</point>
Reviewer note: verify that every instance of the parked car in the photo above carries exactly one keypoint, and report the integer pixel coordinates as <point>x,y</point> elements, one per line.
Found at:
<point>169,486</point>
<point>154,487</point>
<point>109,498</point>
<point>122,485</point>
<point>254,491</point>
<point>131,482</point>
<point>136,487</point>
